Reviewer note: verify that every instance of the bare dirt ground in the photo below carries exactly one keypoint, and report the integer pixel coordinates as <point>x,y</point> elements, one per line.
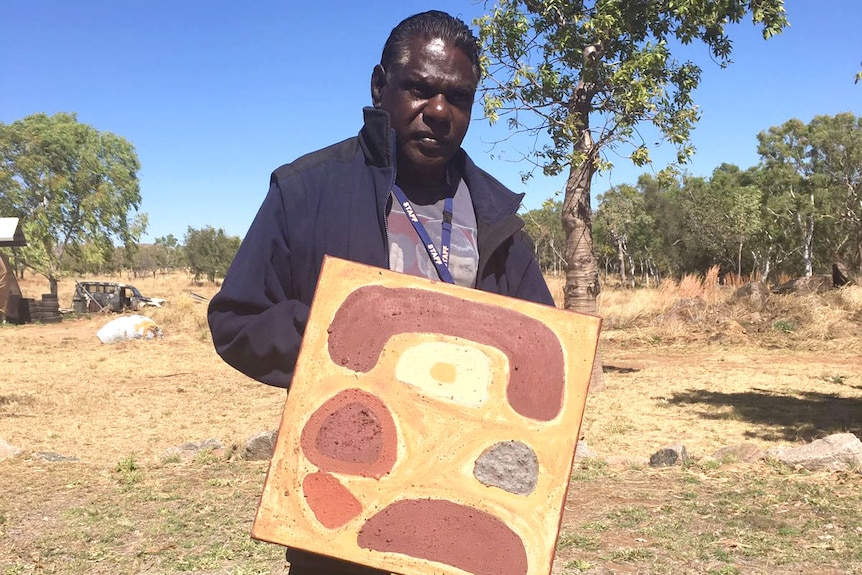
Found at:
<point>70,394</point>
<point>117,408</point>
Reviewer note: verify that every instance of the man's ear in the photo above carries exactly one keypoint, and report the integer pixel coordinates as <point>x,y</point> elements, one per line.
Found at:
<point>378,83</point>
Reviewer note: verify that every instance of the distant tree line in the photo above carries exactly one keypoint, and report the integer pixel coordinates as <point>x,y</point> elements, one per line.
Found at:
<point>77,193</point>
<point>795,213</point>
<point>205,253</point>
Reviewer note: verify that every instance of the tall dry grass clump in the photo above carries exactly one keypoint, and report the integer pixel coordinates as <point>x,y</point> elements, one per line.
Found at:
<point>622,309</point>
<point>692,286</point>
<point>832,315</point>
<point>556,284</point>
<point>183,314</point>
<point>626,308</point>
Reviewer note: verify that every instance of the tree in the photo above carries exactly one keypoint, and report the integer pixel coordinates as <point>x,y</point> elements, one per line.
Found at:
<point>145,260</point>
<point>544,227</point>
<point>669,232</point>
<point>74,187</point>
<point>836,156</point>
<point>794,199</point>
<point>621,211</point>
<point>567,63</point>
<point>169,253</point>
<point>723,213</point>
<point>210,252</point>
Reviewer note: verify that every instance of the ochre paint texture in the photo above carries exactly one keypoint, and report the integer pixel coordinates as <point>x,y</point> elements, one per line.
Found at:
<point>351,433</point>
<point>448,533</point>
<point>430,429</point>
<point>329,500</point>
<point>372,315</point>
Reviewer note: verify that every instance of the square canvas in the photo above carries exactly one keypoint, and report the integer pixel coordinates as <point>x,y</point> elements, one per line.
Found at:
<point>429,428</point>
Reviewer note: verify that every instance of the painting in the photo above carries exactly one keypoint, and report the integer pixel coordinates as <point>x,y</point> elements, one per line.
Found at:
<point>430,428</point>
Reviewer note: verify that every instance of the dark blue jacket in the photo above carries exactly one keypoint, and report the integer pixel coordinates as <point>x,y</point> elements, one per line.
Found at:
<point>334,201</point>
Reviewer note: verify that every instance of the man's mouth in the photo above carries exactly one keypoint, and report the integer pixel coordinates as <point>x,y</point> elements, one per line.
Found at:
<point>430,139</point>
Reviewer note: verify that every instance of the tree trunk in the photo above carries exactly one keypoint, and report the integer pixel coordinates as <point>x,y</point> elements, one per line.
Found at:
<point>621,257</point>
<point>582,272</point>
<point>52,284</point>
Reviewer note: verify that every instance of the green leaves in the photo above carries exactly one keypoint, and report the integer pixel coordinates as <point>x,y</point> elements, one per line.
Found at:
<point>813,173</point>
<point>558,60</point>
<point>74,186</point>
<point>209,252</point>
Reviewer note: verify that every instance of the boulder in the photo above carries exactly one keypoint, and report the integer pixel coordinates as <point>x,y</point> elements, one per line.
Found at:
<point>837,452</point>
<point>806,285</point>
<point>669,456</point>
<point>260,447</point>
<point>840,275</point>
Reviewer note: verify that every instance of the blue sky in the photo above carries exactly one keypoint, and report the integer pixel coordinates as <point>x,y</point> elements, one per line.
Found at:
<point>215,95</point>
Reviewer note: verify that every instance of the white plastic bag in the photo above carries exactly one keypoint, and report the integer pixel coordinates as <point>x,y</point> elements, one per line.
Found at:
<point>129,327</point>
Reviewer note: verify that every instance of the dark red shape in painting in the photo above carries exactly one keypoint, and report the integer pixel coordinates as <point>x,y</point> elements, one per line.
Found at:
<point>353,432</point>
<point>371,315</point>
<point>446,532</point>
<point>329,500</point>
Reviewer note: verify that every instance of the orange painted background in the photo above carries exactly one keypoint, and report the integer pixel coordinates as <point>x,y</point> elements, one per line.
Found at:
<point>430,428</point>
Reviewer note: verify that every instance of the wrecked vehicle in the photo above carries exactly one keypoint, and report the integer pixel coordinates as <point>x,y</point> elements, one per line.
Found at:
<point>110,296</point>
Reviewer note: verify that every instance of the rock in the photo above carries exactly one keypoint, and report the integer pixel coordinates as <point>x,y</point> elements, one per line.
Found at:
<point>806,285</point>
<point>7,450</point>
<point>191,449</point>
<point>837,452</point>
<point>742,452</point>
<point>260,447</point>
<point>583,451</point>
<point>840,275</point>
<point>54,457</point>
<point>669,456</point>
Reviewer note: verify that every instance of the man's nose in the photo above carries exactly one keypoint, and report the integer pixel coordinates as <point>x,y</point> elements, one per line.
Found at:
<point>438,110</point>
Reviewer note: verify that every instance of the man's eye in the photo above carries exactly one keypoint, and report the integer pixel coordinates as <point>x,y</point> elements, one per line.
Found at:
<point>461,99</point>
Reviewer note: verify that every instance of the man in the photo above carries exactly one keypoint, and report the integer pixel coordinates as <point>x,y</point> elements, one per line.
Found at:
<point>402,195</point>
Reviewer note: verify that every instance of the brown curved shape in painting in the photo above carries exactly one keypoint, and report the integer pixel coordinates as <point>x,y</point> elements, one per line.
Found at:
<point>331,502</point>
<point>371,315</point>
<point>353,433</point>
<point>446,532</point>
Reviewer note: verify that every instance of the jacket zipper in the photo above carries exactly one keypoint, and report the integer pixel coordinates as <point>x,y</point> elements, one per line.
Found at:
<point>388,200</point>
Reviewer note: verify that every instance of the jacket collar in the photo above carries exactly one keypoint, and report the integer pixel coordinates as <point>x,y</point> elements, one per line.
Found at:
<point>377,138</point>
<point>492,201</point>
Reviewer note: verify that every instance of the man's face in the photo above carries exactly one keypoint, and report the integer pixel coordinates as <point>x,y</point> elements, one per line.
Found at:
<point>429,99</point>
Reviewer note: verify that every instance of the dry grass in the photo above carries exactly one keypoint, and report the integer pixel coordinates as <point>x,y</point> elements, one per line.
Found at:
<point>103,402</point>
<point>683,364</point>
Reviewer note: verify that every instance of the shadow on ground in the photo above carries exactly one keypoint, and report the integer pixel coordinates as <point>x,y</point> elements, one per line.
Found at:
<point>805,416</point>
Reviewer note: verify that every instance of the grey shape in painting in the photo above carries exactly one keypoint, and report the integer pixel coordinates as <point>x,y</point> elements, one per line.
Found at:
<point>510,465</point>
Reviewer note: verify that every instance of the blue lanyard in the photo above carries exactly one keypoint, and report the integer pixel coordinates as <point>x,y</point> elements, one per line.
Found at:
<point>440,259</point>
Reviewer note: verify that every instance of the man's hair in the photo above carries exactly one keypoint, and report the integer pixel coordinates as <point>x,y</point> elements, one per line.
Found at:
<point>429,25</point>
